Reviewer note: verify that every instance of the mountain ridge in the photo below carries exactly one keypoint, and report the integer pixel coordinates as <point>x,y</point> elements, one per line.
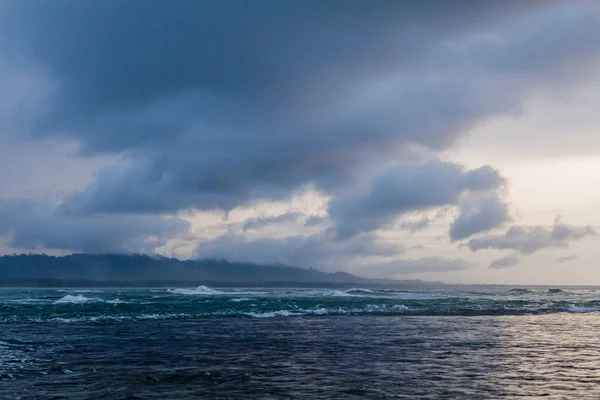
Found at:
<point>85,269</point>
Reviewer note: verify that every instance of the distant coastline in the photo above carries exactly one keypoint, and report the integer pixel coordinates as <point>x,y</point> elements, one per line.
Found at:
<point>138,270</point>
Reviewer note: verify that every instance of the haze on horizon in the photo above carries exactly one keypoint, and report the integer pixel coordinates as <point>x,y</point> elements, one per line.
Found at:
<point>455,141</point>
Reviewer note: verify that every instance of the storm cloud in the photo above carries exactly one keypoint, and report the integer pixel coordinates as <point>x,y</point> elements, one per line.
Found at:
<point>409,187</point>
<point>415,266</point>
<point>257,223</point>
<point>37,227</point>
<point>505,262</point>
<point>479,214</point>
<point>218,105</point>
<point>529,239</point>
<point>319,250</point>
<point>415,226</point>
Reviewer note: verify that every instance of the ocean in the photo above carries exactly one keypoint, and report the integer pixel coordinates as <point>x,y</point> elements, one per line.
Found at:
<point>471,342</point>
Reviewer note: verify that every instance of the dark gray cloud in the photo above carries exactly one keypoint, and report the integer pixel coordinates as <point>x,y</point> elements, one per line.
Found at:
<point>211,105</point>
<point>32,226</point>
<point>319,250</point>
<point>122,56</point>
<point>505,262</point>
<point>529,239</point>
<point>421,265</point>
<point>565,259</point>
<point>257,223</point>
<point>316,220</point>
<point>415,226</point>
<point>216,104</point>
<point>479,213</point>
<point>408,187</point>
<point>324,252</point>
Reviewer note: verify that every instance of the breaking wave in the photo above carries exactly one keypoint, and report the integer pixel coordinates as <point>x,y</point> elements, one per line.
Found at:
<point>47,305</point>
<point>81,299</point>
<point>359,291</point>
<point>200,290</point>
<point>326,293</point>
<point>578,309</point>
<point>240,299</point>
<point>78,299</point>
<point>207,291</point>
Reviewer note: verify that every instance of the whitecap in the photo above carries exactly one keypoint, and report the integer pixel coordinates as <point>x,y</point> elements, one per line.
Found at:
<point>116,301</point>
<point>240,299</point>
<point>79,299</point>
<point>206,291</point>
<point>200,290</point>
<point>579,309</point>
<point>271,314</point>
<point>384,308</point>
<point>359,290</point>
<point>327,293</point>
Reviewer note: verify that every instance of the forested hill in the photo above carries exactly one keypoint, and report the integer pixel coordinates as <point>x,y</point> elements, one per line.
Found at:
<point>95,269</point>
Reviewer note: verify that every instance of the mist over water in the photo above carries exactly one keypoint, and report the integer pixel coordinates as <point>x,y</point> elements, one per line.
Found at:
<point>186,343</point>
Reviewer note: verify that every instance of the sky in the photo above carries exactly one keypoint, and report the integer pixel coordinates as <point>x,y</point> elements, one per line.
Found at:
<point>455,141</point>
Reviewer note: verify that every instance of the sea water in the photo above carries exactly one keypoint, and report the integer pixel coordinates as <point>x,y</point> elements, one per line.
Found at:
<point>189,343</point>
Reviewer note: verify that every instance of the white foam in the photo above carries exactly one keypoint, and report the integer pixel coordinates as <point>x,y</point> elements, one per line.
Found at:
<point>280,313</point>
<point>240,299</point>
<point>79,299</point>
<point>372,308</point>
<point>327,293</point>
<point>359,290</point>
<point>318,311</point>
<point>116,301</point>
<point>200,290</point>
<point>578,309</point>
<point>206,291</point>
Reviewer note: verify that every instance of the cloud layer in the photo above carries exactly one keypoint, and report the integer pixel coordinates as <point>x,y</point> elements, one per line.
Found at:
<point>529,239</point>
<point>319,250</point>
<point>407,188</point>
<point>505,262</point>
<point>33,226</point>
<point>214,106</point>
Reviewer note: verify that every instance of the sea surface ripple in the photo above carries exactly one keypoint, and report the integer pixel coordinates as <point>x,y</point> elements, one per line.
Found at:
<point>189,343</point>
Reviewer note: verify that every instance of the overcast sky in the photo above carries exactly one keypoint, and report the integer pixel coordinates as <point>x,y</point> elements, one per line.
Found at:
<point>448,140</point>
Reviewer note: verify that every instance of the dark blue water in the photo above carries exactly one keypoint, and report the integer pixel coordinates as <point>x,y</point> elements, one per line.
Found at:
<point>299,344</point>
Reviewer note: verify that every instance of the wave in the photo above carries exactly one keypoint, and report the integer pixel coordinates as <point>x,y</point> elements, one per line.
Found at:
<point>271,314</point>
<point>115,301</point>
<point>200,290</point>
<point>359,291</point>
<point>556,291</point>
<point>81,299</point>
<point>373,309</point>
<point>240,299</point>
<point>326,293</point>
<point>207,291</point>
<point>368,309</point>
<point>579,309</point>
<point>520,291</point>
<point>25,301</point>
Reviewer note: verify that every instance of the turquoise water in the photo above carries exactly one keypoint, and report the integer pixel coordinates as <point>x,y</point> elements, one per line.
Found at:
<point>190,343</point>
<point>96,305</point>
